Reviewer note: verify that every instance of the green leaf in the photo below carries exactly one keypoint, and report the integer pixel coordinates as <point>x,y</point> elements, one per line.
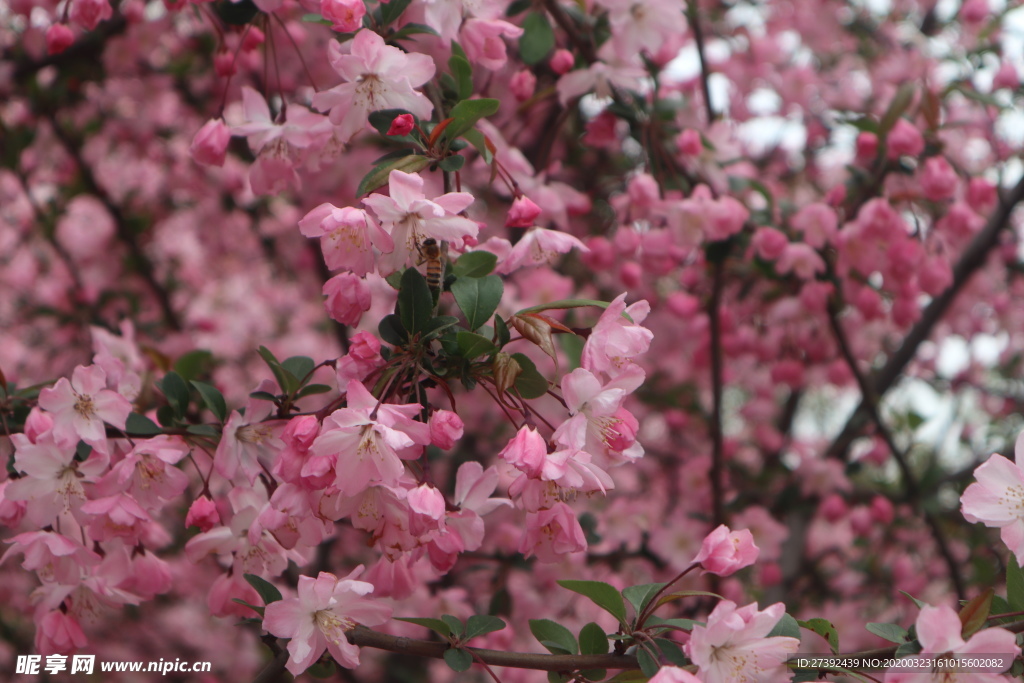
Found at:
<point>671,651</point>
<point>382,119</point>
<point>1014,585</point>
<point>538,38</point>
<point>380,174</point>
<point>648,663</point>
<point>438,325</point>
<point>921,604</point>
<point>267,590</point>
<point>501,333</point>
<point>213,399</point>
<point>639,596</point>
<point>593,640</point>
<point>203,430</point>
<point>472,345</point>
<point>263,396</point>
<point>824,628</point>
<point>311,389</point>
<point>323,669</point>
<point>176,391</point>
<point>563,304</point>
<point>555,637</point>
<point>456,659</point>
<point>478,298</point>
<point>787,627</point>
<point>632,676</point>
<point>140,425</point>
<point>299,366</point>
<point>411,29</point>
<point>479,141</point>
<point>894,633</point>
<point>254,608</point>
<point>911,648</point>
<point>194,364</point>
<point>435,625</point>
<point>601,594</point>
<point>280,374</point>
<point>462,74</point>
<point>316,19</point>
<point>475,264</point>
<point>530,383</point>
<point>479,624</point>
<point>415,302</point>
<point>391,329</point>
<point>466,113</point>
<point>455,624</point>
<point>390,11</point>
<point>975,613</point>
<point>452,163</point>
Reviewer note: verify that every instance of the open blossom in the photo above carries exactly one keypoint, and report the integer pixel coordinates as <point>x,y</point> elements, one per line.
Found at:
<point>674,674</point>
<point>482,40</point>
<point>377,76</point>
<point>348,237</point>
<point>82,405</point>
<point>370,439</point>
<point>53,479</point>
<point>346,16</point>
<point>412,218</point>
<point>538,247</point>
<point>210,145</point>
<point>89,13</point>
<point>939,632</point>
<point>249,440</point>
<point>734,647</point>
<point>997,498</point>
<point>725,552</point>
<point>616,339</point>
<point>551,533</point>
<point>326,609</point>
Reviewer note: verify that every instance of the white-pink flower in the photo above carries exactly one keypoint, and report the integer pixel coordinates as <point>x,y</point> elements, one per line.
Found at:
<point>348,237</point>
<point>326,609</point>
<point>250,439</point>
<point>616,339</point>
<point>997,498</point>
<point>939,632</point>
<point>734,647</point>
<point>82,405</point>
<point>377,77</point>
<point>412,218</point>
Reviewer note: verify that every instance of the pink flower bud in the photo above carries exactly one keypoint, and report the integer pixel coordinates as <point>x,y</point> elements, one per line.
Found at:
<point>252,39</point>
<point>601,255</point>
<point>523,84</point>
<point>210,145</point>
<point>1006,77</point>
<point>631,274</point>
<point>974,11</point>
<point>348,297</point>
<point>522,213</point>
<point>402,125</point>
<point>689,143</point>
<point>683,304</point>
<point>881,510</point>
<point>562,61</point>
<point>981,194</point>
<point>58,38</point>
<point>833,508</point>
<point>938,179</point>
<point>445,429</point>
<point>202,514</point>
<point>346,16</point>
<point>769,243</point>
<point>224,64</point>
<point>725,552</point>
<point>622,433</point>
<point>904,139</point>
<point>867,146</point>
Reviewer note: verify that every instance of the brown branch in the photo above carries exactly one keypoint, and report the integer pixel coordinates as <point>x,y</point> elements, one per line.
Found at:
<point>585,47</point>
<point>973,259</point>
<point>910,484</point>
<point>698,37</point>
<point>718,442</point>
<point>364,637</point>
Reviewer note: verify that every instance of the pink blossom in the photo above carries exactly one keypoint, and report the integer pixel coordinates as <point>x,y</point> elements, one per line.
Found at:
<point>81,406</point>
<point>412,218</point>
<point>601,79</point>
<point>301,129</point>
<point>616,339</point>
<point>769,243</point>
<point>203,514</point>
<point>59,37</point>
<point>904,139</point>
<point>347,237</point>
<point>370,440</point>
<point>817,222</point>
<point>402,124</point>
<point>59,633</point>
<point>348,297</point>
<point>363,358</point>
<point>346,16</point>
<point>117,516</point>
<point>89,13</point>
<point>538,247</point>
<point>1006,77</point>
<point>210,144</point>
<point>801,260</point>
<point>325,610</point>
<point>552,533</point>
<point>939,632</point>
<point>562,61</point>
<point>938,179</point>
<point>522,213</point>
<point>526,451</point>
<point>445,429</point>
<point>689,143</point>
<point>997,498</point>
<point>377,76</point>
<point>734,647</point>
<point>674,674</point>
<point>148,472</point>
<point>724,552</point>
<point>51,554</point>
<point>523,84</point>
<point>249,441</point>
<point>53,479</point>
<point>482,40</point>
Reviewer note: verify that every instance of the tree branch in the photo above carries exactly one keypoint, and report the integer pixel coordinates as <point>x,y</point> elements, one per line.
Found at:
<point>698,37</point>
<point>717,440</point>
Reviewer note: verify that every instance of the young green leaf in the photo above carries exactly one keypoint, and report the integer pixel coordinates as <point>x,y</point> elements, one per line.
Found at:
<point>475,264</point>
<point>472,345</point>
<point>593,640</point>
<point>267,590</point>
<point>415,302</point>
<point>478,298</point>
<point>648,662</point>
<point>601,594</point>
<point>975,613</point>
<point>824,628</point>
<point>380,174</point>
<point>639,596</point>
<point>458,659</point>
<point>213,399</point>
<point>894,633</point>
<point>466,113</point>
<point>530,383</point>
<point>480,624</point>
<point>1014,585</point>
<point>299,367</point>
<point>391,330</point>
<point>140,425</point>
<point>538,38</point>
<point>787,627</point>
<point>556,638</point>
<point>176,391</point>
<point>455,624</point>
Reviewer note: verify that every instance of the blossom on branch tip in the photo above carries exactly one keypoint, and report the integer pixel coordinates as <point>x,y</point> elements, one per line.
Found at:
<point>319,619</point>
<point>81,406</point>
<point>997,498</point>
<point>348,237</point>
<point>734,647</point>
<point>724,552</point>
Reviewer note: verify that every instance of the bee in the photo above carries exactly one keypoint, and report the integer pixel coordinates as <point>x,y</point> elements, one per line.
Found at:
<point>430,251</point>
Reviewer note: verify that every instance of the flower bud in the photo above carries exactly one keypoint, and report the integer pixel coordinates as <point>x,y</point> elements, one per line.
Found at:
<point>724,552</point>
<point>562,61</point>
<point>210,145</point>
<point>445,429</point>
<point>402,125</point>
<point>58,38</point>
<point>202,514</point>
